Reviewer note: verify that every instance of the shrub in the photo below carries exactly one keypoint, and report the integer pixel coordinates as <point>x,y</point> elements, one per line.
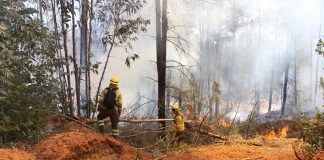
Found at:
<point>27,72</point>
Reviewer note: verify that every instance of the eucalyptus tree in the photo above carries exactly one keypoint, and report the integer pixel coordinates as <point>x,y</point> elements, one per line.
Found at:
<point>121,24</point>
<point>28,75</point>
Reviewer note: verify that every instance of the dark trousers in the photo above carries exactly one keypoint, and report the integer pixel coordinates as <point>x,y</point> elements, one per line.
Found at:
<point>114,118</point>
<point>178,138</point>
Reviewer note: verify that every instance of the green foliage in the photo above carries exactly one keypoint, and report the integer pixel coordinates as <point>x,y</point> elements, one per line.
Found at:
<point>319,47</point>
<point>27,72</point>
<point>313,131</point>
<point>121,23</point>
<point>134,57</point>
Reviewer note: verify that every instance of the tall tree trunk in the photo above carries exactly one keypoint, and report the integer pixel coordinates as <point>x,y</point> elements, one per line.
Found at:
<point>88,57</point>
<point>217,75</point>
<point>257,90</point>
<point>76,70</point>
<point>317,59</point>
<point>161,32</point>
<point>64,32</point>
<point>285,89</point>
<point>59,55</point>
<point>40,4</point>
<point>104,69</point>
<point>83,52</point>
<point>273,65</point>
<point>231,65</point>
<point>271,89</point>
<point>297,109</point>
<point>168,93</point>
<point>311,75</point>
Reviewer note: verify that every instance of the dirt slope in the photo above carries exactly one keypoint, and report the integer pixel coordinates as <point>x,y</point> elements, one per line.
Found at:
<point>14,154</point>
<point>77,145</point>
<point>73,141</point>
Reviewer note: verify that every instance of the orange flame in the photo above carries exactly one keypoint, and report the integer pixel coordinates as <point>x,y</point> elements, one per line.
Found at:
<point>283,132</point>
<point>223,123</point>
<point>271,134</point>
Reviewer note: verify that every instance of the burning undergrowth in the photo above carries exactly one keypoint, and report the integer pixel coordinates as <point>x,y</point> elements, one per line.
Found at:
<point>281,132</point>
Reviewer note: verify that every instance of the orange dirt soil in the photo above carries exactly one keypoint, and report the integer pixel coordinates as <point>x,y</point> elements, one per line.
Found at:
<point>77,145</point>
<point>73,141</point>
<point>319,156</point>
<point>258,148</point>
<point>235,151</point>
<point>6,154</point>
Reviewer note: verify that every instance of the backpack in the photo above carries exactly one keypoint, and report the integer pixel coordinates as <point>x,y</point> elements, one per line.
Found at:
<point>110,100</point>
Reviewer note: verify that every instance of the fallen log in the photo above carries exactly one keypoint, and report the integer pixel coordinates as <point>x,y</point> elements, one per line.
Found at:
<point>211,134</point>
<point>132,120</point>
<point>142,120</point>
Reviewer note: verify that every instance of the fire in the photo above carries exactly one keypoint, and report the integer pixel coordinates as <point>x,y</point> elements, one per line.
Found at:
<point>223,123</point>
<point>283,132</point>
<point>271,134</point>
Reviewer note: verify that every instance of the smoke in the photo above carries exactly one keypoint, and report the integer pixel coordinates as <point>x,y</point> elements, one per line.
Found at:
<point>268,34</point>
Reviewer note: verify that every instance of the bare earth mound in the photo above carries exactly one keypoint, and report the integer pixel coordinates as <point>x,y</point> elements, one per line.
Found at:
<point>77,145</point>
<point>14,154</point>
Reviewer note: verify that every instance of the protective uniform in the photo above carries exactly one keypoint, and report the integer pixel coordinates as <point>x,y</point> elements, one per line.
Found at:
<point>179,123</point>
<point>112,111</point>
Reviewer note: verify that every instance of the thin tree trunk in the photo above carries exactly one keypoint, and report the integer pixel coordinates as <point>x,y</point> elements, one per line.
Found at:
<point>104,69</point>
<point>59,55</point>
<point>164,32</point>
<point>64,32</point>
<point>83,51</point>
<point>76,70</point>
<point>311,76</point>
<point>257,107</point>
<point>168,94</point>
<point>40,3</point>
<point>217,75</point>
<point>297,109</point>
<point>231,65</point>
<point>285,89</point>
<point>271,89</point>
<point>317,59</point>
<point>273,65</point>
<point>89,61</point>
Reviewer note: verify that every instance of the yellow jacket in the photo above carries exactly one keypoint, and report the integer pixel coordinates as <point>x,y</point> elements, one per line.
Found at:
<point>179,122</point>
<point>118,96</point>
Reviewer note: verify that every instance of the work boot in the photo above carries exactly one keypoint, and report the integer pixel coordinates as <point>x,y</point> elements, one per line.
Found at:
<point>101,129</point>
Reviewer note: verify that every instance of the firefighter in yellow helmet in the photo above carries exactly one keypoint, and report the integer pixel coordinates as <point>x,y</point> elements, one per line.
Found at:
<point>110,105</point>
<point>179,122</point>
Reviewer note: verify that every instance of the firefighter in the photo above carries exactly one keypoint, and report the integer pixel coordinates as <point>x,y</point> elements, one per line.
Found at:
<point>110,105</point>
<point>179,123</point>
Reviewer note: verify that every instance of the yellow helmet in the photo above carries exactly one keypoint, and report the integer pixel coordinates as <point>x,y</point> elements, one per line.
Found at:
<point>175,107</point>
<point>114,80</point>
